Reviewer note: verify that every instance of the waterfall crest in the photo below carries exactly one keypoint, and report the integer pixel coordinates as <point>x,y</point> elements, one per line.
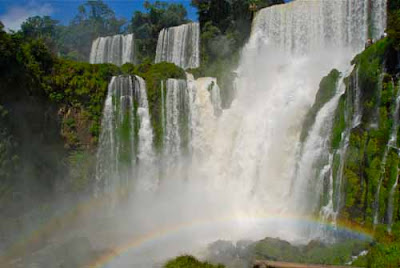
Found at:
<point>180,45</point>
<point>117,49</point>
<point>302,26</point>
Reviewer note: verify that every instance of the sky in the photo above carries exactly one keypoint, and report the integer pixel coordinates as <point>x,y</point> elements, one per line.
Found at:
<point>14,12</point>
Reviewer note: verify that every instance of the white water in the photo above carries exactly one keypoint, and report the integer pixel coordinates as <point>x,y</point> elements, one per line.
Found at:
<point>358,109</point>
<point>175,101</point>
<point>180,45</point>
<point>391,201</point>
<point>242,160</point>
<point>393,142</point>
<point>379,18</point>
<point>117,147</point>
<point>117,49</point>
<point>316,153</point>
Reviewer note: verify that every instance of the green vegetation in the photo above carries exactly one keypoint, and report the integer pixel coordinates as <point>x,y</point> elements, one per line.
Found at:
<point>189,262</point>
<point>64,102</point>
<point>147,25</point>
<point>364,166</point>
<point>94,19</point>
<point>393,29</point>
<point>154,74</point>
<point>327,89</point>
<point>315,252</point>
<point>385,250</point>
<point>369,64</point>
<point>339,123</point>
<point>74,41</point>
<point>225,28</point>
<point>80,170</point>
<point>51,107</point>
<point>80,86</point>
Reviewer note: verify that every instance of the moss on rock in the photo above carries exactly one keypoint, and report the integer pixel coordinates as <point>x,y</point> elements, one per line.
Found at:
<point>327,89</point>
<point>187,261</point>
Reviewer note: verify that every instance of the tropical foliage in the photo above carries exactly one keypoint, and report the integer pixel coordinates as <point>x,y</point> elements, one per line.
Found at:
<point>225,27</point>
<point>189,261</point>
<point>147,25</point>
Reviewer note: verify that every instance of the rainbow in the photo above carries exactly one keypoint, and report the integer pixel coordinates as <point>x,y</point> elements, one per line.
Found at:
<point>53,225</point>
<point>136,242</point>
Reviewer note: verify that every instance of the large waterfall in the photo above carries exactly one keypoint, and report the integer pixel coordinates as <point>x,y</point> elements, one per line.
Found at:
<point>291,48</point>
<point>248,161</point>
<point>117,49</point>
<point>180,45</point>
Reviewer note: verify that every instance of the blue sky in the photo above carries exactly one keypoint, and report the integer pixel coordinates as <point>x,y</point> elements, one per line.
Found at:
<point>14,12</point>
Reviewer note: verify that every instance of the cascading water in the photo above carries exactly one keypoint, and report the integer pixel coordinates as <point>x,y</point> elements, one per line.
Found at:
<point>180,45</point>
<point>181,115</point>
<point>338,26</point>
<point>357,102</point>
<point>391,201</point>
<point>240,162</point>
<point>379,18</point>
<point>117,49</point>
<point>315,154</point>
<point>392,143</point>
<point>126,137</point>
<point>176,115</point>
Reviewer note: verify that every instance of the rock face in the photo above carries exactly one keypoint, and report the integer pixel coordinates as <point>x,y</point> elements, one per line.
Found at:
<point>180,45</point>
<point>117,49</point>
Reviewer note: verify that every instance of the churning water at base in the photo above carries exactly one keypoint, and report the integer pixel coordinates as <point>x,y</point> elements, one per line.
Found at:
<point>243,161</point>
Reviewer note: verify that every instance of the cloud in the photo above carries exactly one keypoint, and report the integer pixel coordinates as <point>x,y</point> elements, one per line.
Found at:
<point>16,15</point>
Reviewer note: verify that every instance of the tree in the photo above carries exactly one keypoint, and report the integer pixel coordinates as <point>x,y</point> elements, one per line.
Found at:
<point>393,28</point>
<point>41,28</point>
<point>94,19</point>
<point>147,25</point>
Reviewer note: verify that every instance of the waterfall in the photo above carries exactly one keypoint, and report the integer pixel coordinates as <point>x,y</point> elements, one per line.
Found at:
<point>392,143</point>
<point>391,201</point>
<point>357,101</point>
<point>303,30</point>
<point>379,18</point>
<point>182,101</point>
<point>126,134</point>
<point>303,26</point>
<point>117,49</point>
<point>180,45</point>
<point>176,115</point>
<point>243,161</point>
<point>315,154</point>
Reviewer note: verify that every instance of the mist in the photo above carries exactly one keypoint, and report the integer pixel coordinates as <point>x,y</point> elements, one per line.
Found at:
<point>237,178</point>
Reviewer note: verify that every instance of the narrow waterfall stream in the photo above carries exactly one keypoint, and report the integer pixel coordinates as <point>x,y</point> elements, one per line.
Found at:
<point>392,143</point>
